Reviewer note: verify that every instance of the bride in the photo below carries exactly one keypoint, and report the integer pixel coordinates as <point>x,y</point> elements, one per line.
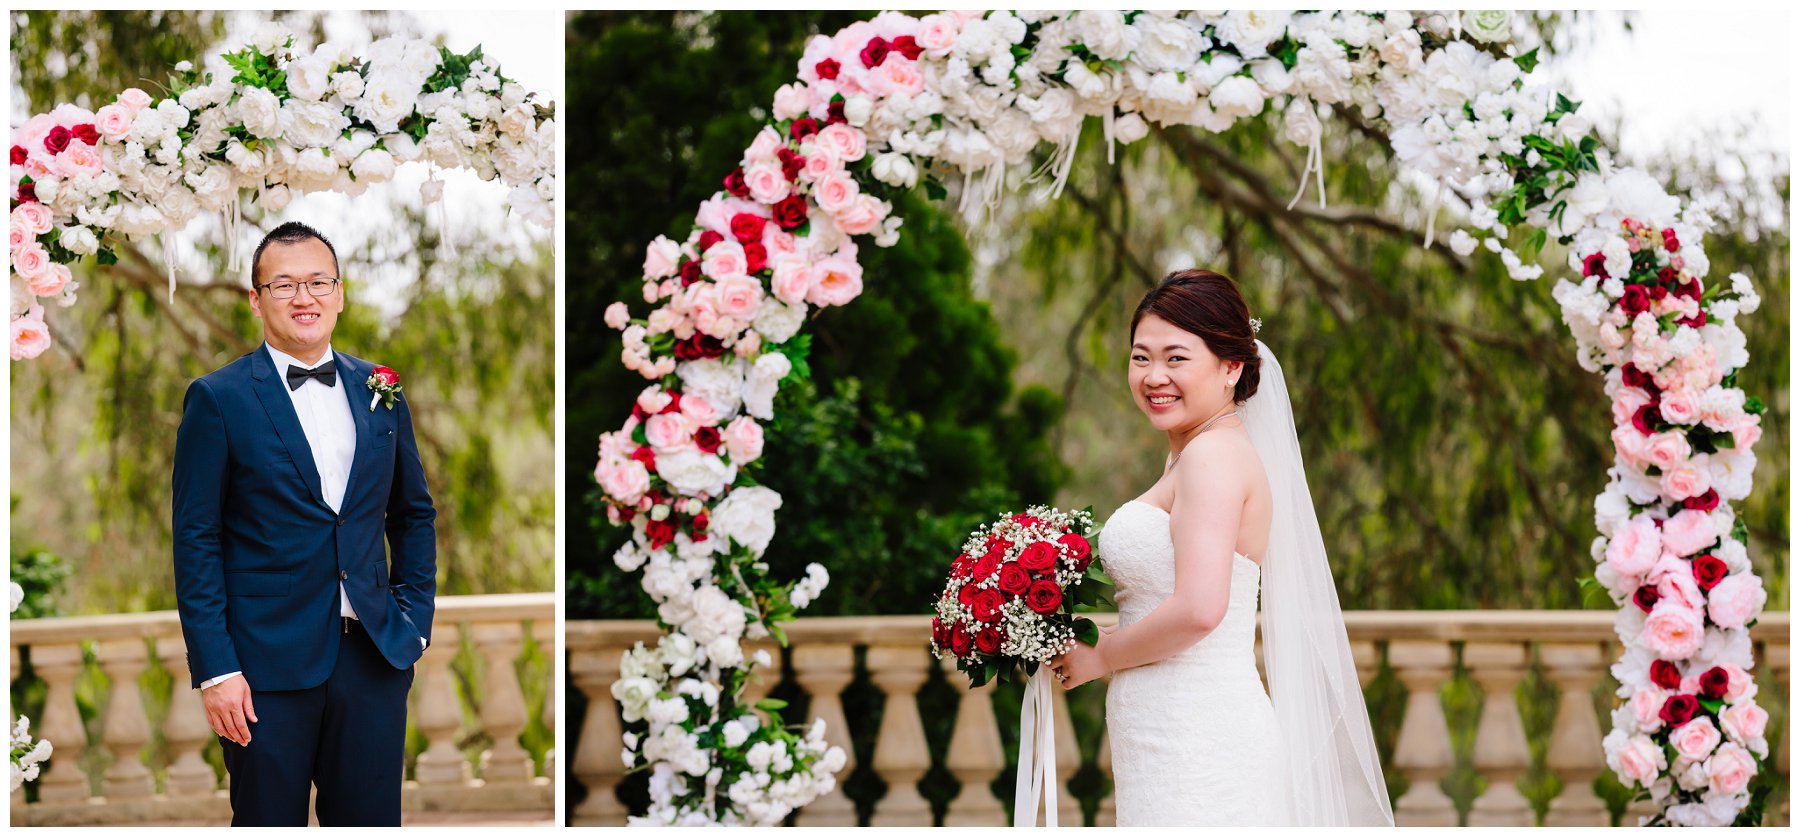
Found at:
<point>1195,739</point>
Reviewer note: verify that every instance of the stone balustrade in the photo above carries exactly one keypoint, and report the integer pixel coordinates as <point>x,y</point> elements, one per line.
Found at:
<point>1482,718</point>
<point>145,754</point>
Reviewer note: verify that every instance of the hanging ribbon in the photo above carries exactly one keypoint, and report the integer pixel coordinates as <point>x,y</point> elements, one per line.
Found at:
<point>1106,129</point>
<point>1315,158</point>
<point>1431,214</point>
<point>168,248</point>
<point>1037,754</point>
<point>231,217</point>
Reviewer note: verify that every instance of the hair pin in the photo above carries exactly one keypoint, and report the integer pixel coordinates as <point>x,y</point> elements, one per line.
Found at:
<point>1255,325</point>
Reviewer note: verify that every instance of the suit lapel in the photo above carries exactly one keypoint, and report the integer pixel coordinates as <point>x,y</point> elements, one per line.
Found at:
<point>352,376</point>
<point>272,392</point>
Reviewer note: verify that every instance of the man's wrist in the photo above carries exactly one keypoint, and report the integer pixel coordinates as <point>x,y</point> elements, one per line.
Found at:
<point>207,684</point>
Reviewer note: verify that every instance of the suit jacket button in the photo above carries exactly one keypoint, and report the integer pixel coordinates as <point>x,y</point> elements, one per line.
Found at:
<point>343,575</point>
<point>340,521</point>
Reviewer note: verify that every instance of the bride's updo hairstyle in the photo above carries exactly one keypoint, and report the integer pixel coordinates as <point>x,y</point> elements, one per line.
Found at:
<point>1209,305</point>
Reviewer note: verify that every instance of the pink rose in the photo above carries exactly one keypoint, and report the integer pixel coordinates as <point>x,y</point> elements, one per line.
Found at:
<point>1631,445</point>
<point>1729,770</point>
<point>53,280</point>
<point>1686,480</point>
<point>1738,683</point>
<point>817,163</point>
<point>79,159</point>
<point>748,345</point>
<point>31,261</point>
<point>1635,546</point>
<point>1641,760</point>
<point>744,439</point>
<point>846,143</point>
<point>740,296</point>
<point>626,481</point>
<point>896,77</point>
<point>1646,707</point>
<point>937,33</point>
<point>669,432</point>
<point>1746,432</point>
<point>617,315</point>
<point>1679,584</point>
<point>652,401</point>
<point>30,337</point>
<point>114,122</point>
<point>699,410</point>
<point>1666,449</point>
<point>1732,603</point>
<point>660,259</point>
<point>763,149</point>
<point>1688,532</point>
<point>33,218</point>
<point>1695,739</point>
<point>1744,722</point>
<point>134,99</point>
<point>16,236</point>
<point>1626,401</point>
<point>779,243</point>
<point>725,260</point>
<point>835,192</point>
<point>791,100</point>
<point>793,280</point>
<point>863,216</point>
<point>836,281</point>
<point>766,182</point>
<point>1673,631</point>
<point>1679,407</point>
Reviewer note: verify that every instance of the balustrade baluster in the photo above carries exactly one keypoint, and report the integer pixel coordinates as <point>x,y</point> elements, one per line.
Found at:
<point>1423,749</point>
<point>502,703</point>
<point>1501,753</point>
<point>543,632</point>
<point>597,762</point>
<point>127,730</point>
<point>1575,752</point>
<point>900,754</point>
<point>763,679</point>
<point>440,713</point>
<point>186,731</point>
<point>1775,656</point>
<point>824,670</point>
<point>58,665</point>
<point>976,755</point>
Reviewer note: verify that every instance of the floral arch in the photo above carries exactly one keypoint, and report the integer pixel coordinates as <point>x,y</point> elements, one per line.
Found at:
<point>287,121</point>
<point>890,103</point>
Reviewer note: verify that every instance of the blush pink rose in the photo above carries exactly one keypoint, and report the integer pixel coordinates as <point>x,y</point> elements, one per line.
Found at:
<point>863,216</point>
<point>1732,603</point>
<point>846,143</point>
<point>1744,722</point>
<point>1626,402</point>
<point>114,122</point>
<point>766,182</point>
<point>1686,480</point>
<point>1729,770</point>
<point>740,296</point>
<point>16,236</point>
<point>937,33</point>
<point>835,192</point>
<point>791,100</point>
<point>53,280</point>
<point>1695,739</point>
<point>80,159</point>
<point>748,345</point>
<point>763,149</point>
<point>1680,407</point>
<point>1688,532</point>
<point>896,76</point>
<point>1646,708</point>
<point>836,281</point>
<point>660,259</point>
<point>1673,631</point>
<point>1738,683</point>
<point>1665,450</point>
<point>1641,760</point>
<point>793,280</point>
<point>818,162</point>
<point>31,261</point>
<point>134,99</point>
<point>626,481</point>
<point>32,218</point>
<point>1635,547</point>
<point>744,439</point>
<point>617,315</point>
<point>725,260</point>
<point>1746,431</point>
<point>652,401</point>
<point>1680,584</point>
<point>699,410</point>
<point>779,243</point>
<point>30,337</point>
<point>669,432</point>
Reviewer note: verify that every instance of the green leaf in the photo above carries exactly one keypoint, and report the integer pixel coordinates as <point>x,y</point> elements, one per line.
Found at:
<point>779,634</point>
<point>1087,631</point>
<point>1566,105</point>
<point>935,190</point>
<point>771,704</point>
<point>1755,406</point>
<point>1528,61</point>
<point>1594,595</point>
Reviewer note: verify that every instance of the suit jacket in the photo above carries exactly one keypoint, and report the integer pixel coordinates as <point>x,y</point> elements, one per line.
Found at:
<point>259,555</point>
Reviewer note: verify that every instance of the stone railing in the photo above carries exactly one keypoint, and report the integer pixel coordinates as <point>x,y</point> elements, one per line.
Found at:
<point>145,754</point>
<point>1482,718</point>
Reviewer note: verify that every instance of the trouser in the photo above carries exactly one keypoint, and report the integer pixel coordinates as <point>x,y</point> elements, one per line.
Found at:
<point>347,736</point>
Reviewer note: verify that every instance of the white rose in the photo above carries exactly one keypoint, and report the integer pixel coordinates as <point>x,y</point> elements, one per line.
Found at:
<point>274,198</point>
<point>691,472</point>
<point>309,78</point>
<point>1488,26</point>
<point>777,321</point>
<point>765,378</point>
<point>720,384</point>
<point>317,124</point>
<point>895,170</point>
<point>747,515</point>
<point>257,108</point>
<point>1106,34</point>
<point>1237,96</point>
<point>387,99</point>
<point>373,166</point>
<point>1166,43</point>
<point>347,85</point>
<point>1130,128</point>
<point>634,695</point>
<point>80,240</point>
<point>1252,31</point>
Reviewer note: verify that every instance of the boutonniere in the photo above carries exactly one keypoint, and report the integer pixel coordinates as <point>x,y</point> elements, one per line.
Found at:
<point>385,383</point>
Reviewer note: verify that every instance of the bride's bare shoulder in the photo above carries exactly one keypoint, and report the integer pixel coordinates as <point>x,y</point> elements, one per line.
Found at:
<point>1214,457</point>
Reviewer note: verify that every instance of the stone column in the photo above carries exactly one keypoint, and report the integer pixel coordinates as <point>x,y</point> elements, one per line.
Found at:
<point>900,754</point>
<point>185,730</point>
<point>1422,752</point>
<point>1501,754</point>
<point>61,779</point>
<point>543,632</point>
<point>440,714</point>
<point>824,670</point>
<point>1575,752</point>
<point>597,763</point>
<point>976,754</point>
<point>127,730</point>
<point>502,703</point>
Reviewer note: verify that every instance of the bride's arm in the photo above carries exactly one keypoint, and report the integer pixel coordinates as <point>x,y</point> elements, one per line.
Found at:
<point>1203,524</point>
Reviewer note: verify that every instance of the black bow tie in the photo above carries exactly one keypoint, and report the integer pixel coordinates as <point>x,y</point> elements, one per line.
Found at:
<point>326,373</point>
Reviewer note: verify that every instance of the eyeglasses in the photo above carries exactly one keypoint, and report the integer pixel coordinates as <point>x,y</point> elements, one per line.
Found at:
<point>316,288</point>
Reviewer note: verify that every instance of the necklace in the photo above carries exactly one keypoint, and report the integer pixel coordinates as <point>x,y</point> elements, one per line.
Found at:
<point>1203,428</point>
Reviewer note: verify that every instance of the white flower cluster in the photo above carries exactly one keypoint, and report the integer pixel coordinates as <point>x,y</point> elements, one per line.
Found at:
<point>27,756</point>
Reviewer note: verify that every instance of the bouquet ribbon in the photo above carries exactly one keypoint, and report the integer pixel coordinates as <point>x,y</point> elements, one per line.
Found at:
<point>1037,754</point>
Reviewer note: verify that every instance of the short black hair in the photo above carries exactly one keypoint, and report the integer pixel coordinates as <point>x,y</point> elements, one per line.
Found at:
<point>292,232</point>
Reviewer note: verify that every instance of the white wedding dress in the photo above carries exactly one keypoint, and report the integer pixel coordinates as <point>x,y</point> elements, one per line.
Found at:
<point>1194,737</point>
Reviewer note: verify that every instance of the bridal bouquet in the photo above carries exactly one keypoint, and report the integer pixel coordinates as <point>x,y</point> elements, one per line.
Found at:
<point>1010,600</point>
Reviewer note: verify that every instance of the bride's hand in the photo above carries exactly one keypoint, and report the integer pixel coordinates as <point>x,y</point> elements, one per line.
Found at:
<point>1078,665</point>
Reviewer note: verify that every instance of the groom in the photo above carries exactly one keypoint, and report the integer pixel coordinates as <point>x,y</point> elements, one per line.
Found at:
<point>301,631</point>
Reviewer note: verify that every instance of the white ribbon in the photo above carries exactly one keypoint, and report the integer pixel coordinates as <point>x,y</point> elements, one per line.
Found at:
<point>168,246</point>
<point>1037,754</point>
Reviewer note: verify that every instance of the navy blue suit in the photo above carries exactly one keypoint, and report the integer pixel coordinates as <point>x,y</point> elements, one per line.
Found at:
<point>259,557</point>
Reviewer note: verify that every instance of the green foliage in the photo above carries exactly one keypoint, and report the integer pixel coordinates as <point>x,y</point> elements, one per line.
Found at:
<point>41,574</point>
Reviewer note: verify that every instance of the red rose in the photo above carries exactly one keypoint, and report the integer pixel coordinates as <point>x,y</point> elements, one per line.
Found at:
<point>1078,549</point>
<point>747,227</point>
<point>1013,578</point>
<point>707,439</point>
<point>1696,321</point>
<point>1645,598</point>
<point>827,69</point>
<point>1594,265</point>
<point>1647,418</point>
<point>28,192</point>
<point>1670,241</point>
<point>58,139</point>
<point>987,640</point>
<point>660,533</point>
<point>959,642</point>
<point>790,213</point>
<point>646,456</point>
<point>1679,709</point>
<point>86,133</point>
<point>1714,683</point>
<point>1636,300</point>
<point>1635,377</point>
<point>1044,596</point>
<point>735,184</point>
<point>908,46</point>
<point>802,128</point>
<point>756,257</point>
<point>834,113</point>
<point>960,567</point>
<point>965,596</point>
<point>1705,502</point>
<point>690,272</point>
<point>875,53</point>
<point>791,163</point>
<point>1025,519</point>
<point>699,347</point>
<point>940,635</point>
<point>708,239</point>
<point>386,376</point>
<point>1691,290</point>
<point>1664,674</point>
<point>674,405</point>
<point>19,156</point>
<point>985,566</point>
<point>702,522</point>
<point>1039,557</point>
<point>985,604</point>
<point>1709,570</point>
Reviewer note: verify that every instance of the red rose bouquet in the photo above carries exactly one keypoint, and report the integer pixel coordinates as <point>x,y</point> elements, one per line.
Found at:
<point>1010,600</point>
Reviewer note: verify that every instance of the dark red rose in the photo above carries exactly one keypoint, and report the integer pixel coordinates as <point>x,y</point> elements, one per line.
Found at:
<point>1635,301</point>
<point>1714,683</point>
<point>1666,275</point>
<point>707,439</point>
<point>1690,289</point>
<point>791,163</point>
<point>1696,321</point>
<point>1670,242</point>
<point>708,239</point>
<point>834,113</point>
<point>735,184</point>
<point>387,376</point>
<point>940,635</point>
<point>966,595</point>
<point>1039,557</point>
<point>1594,265</point>
<point>985,566</point>
<point>756,257</point>
<point>1665,675</point>
<point>960,567</point>
<point>802,128</point>
<point>699,347</point>
<point>747,227</point>
<point>660,533</point>
<point>702,522</point>
<point>58,139</point>
<point>1709,570</point>
<point>1078,549</point>
<point>1658,293</point>
<point>1013,578</point>
<point>19,156</point>
<point>674,405</point>
<point>646,456</point>
<point>1635,377</point>
<point>1645,598</point>
<point>987,640</point>
<point>1025,519</point>
<point>875,53</point>
<point>1705,502</point>
<point>1647,418</point>
<point>86,133</point>
<point>790,213</point>
<point>985,604</point>
<point>1043,596</point>
<point>827,69</point>
<point>908,46</point>
<point>1679,709</point>
<point>959,642</point>
<point>28,192</point>
<point>690,272</point>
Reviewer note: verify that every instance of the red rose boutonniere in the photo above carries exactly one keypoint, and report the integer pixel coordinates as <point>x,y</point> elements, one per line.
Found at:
<point>385,383</point>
